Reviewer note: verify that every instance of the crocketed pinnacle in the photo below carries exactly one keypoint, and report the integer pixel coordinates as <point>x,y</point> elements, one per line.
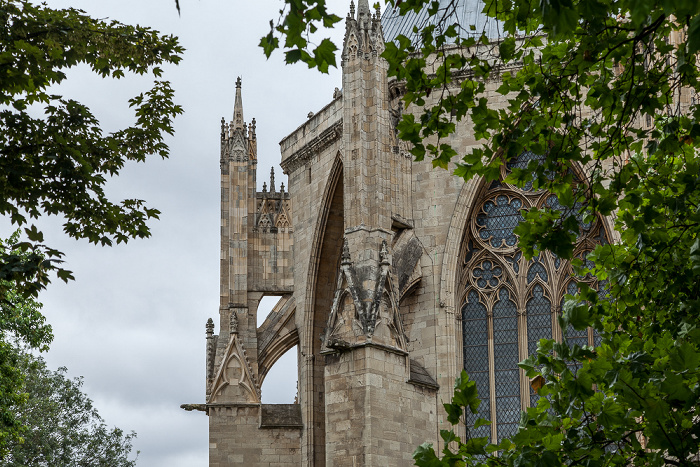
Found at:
<point>238,108</point>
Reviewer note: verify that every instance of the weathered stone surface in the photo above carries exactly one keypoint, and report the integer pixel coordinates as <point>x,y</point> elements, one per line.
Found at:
<point>280,415</point>
<point>420,376</point>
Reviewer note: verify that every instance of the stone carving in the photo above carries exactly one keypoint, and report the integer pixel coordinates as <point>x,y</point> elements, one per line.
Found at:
<point>362,310</point>
<point>235,376</point>
<point>233,322</point>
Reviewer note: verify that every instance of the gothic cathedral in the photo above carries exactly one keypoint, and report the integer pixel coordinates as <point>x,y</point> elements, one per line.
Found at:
<point>393,276</point>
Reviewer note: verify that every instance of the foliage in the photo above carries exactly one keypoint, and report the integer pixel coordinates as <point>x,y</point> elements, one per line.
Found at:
<point>58,163</point>
<point>63,428</point>
<point>298,21</point>
<point>611,86</point>
<point>609,89</point>
<point>21,322</point>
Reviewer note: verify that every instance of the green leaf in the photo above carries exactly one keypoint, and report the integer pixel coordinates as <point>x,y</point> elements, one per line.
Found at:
<point>506,48</point>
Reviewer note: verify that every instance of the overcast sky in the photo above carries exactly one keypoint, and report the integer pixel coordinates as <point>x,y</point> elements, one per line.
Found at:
<point>132,323</point>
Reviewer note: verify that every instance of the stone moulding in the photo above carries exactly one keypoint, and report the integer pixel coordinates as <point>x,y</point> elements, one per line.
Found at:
<point>313,147</point>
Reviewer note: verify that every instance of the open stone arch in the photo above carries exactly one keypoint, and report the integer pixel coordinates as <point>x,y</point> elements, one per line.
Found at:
<point>334,183</point>
<point>276,335</point>
<point>326,244</point>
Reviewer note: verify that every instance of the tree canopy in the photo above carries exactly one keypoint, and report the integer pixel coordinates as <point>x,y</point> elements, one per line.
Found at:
<point>605,91</point>
<point>61,426</point>
<point>21,326</point>
<point>55,158</point>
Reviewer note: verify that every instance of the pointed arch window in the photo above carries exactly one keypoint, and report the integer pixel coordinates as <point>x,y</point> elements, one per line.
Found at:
<point>509,303</point>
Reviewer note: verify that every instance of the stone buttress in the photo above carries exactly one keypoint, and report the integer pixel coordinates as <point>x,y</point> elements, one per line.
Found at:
<point>256,260</point>
<point>367,367</point>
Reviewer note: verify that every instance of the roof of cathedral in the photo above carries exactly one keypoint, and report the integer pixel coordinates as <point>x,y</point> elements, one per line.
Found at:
<point>463,12</point>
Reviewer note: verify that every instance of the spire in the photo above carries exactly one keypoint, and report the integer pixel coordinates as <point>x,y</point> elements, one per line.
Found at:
<point>238,107</point>
<point>272,179</point>
<point>363,9</point>
<point>352,9</point>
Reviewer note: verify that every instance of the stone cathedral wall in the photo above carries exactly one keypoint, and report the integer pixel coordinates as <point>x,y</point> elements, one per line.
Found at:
<point>236,438</point>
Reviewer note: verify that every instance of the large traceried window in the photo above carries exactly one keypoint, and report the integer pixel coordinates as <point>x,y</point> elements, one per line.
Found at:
<point>508,303</point>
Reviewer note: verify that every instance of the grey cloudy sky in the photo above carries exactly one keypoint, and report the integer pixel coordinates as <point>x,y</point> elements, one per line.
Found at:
<point>132,323</point>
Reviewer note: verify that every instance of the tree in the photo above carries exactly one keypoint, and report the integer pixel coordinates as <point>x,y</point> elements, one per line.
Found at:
<point>63,428</point>
<point>55,159</point>
<point>21,324</point>
<point>609,86</point>
<point>58,163</point>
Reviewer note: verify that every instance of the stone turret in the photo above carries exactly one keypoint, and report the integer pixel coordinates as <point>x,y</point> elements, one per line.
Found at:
<point>232,373</point>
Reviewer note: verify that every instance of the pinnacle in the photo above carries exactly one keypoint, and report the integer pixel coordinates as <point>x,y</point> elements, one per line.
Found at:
<point>363,9</point>
<point>238,107</point>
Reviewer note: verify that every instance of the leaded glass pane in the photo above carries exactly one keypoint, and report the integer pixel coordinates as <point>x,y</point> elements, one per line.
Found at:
<point>487,274</point>
<point>536,269</point>
<point>476,357</point>
<point>553,203</point>
<point>514,260</point>
<point>572,335</point>
<point>539,319</point>
<point>539,324</point>
<point>522,162</point>
<point>505,339</point>
<point>498,218</point>
<point>494,225</point>
<point>602,295</point>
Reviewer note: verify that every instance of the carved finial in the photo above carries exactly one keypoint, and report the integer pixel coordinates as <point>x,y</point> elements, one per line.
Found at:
<point>264,187</point>
<point>337,93</point>
<point>345,258</point>
<point>223,128</point>
<point>272,179</point>
<point>352,9</point>
<point>282,188</point>
<point>377,11</point>
<point>210,327</point>
<point>233,323</point>
<point>238,122</point>
<point>310,115</point>
<point>252,124</point>
<point>363,9</point>
<point>384,254</point>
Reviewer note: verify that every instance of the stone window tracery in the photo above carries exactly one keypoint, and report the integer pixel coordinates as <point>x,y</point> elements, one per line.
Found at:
<point>509,303</point>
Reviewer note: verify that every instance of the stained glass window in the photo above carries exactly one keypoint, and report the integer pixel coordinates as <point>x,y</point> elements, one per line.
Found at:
<point>509,303</point>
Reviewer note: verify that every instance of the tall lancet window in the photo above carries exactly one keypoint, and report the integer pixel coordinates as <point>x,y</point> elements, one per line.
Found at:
<point>509,303</point>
